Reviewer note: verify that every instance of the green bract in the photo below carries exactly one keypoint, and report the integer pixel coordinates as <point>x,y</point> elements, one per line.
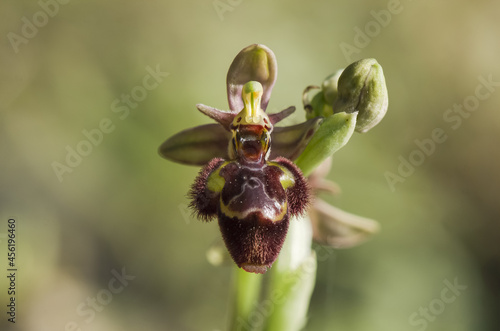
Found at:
<point>333,134</point>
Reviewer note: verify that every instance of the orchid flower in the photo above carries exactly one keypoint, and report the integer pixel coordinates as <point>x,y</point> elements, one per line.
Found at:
<point>258,179</point>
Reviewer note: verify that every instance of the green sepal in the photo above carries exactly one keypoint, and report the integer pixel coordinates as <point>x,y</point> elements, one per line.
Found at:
<point>196,146</point>
<point>290,141</point>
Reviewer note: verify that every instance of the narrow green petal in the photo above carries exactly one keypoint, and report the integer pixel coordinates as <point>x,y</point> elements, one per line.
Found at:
<point>334,132</point>
<point>196,146</point>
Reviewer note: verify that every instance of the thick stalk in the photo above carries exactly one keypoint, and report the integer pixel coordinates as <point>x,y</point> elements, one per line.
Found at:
<point>247,292</point>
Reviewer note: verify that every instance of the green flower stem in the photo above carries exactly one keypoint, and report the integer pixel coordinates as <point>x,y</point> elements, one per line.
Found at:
<point>247,294</point>
<point>333,134</point>
<point>292,280</point>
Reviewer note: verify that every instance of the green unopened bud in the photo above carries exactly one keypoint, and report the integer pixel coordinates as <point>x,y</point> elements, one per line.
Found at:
<point>321,103</point>
<point>329,87</point>
<point>320,106</point>
<point>362,89</point>
<point>317,106</point>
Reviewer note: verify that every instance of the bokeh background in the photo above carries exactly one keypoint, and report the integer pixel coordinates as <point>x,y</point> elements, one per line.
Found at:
<point>123,208</point>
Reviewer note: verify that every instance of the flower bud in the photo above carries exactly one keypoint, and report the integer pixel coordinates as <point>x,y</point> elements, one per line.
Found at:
<point>317,106</point>
<point>320,105</point>
<point>362,89</point>
<point>329,87</point>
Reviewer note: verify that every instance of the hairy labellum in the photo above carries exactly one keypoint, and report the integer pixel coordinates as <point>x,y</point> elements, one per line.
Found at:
<point>253,204</point>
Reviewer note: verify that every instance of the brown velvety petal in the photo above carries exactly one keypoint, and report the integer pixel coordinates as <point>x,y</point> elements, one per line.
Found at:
<point>298,195</point>
<point>196,146</point>
<point>203,201</point>
<point>290,141</point>
<point>255,62</point>
<point>253,242</point>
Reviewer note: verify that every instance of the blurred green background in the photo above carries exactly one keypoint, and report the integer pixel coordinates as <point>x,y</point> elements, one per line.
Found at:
<point>122,206</point>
